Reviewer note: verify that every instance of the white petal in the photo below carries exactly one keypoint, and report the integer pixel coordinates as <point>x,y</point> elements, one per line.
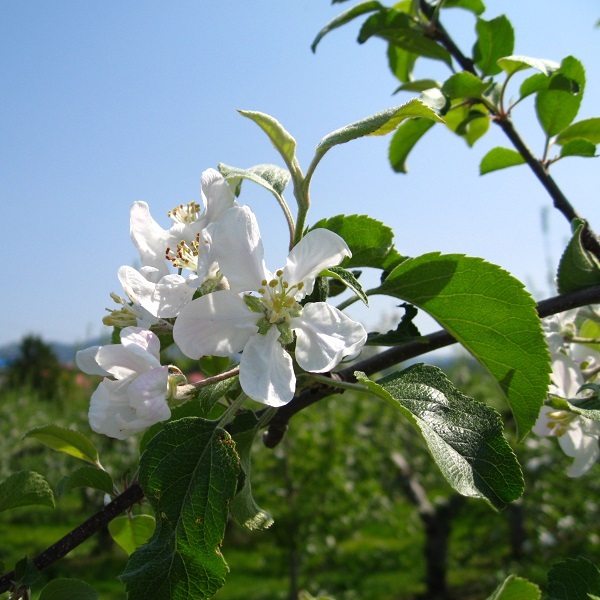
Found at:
<point>542,424</point>
<point>149,237</point>
<point>86,361</point>
<point>109,400</point>
<point>123,362</point>
<point>266,370</point>
<point>324,336</point>
<point>218,324</point>
<point>238,248</point>
<point>217,195</point>
<point>147,396</point>
<point>566,376</point>
<point>583,448</point>
<point>147,340</point>
<point>317,250</point>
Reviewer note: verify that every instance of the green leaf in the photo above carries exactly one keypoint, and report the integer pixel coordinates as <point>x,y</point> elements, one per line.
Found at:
<point>404,140</point>
<point>369,240</point>
<point>346,17</point>
<point>490,313</point>
<point>577,268</point>
<point>573,579</point>
<point>405,332</point>
<point>399,29</point>
<point>401,62</point>
<point>243,506</point>
<point>59,589</point>
<point>344,276</point>
<point>25,488</point>
<point>284,143</point>
<point>533,84</point>
<point>588,407</point>
<point>189,474</point>
<point>86,476</point>
<point>500,158</point>
<point>512,64</point>
<point>26,573</point>
<point>131,531</point>
<point>199,406</point>
<point>381,123</point>
<point>555,110</point>
<point>464,85</point>
<point>469,123</point>
<point>271,177</point>
<point>578,148</point>
<point>516,588</point>
<point>588,129</point>
<point>495,40</point>
<point>65,440</point>
<point>475,6</point>
<point>463,436</point>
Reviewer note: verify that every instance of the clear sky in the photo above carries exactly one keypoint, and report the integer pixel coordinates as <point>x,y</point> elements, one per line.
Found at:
<point>105,102</point>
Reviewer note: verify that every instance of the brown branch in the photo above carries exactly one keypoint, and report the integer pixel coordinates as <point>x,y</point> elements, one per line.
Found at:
<point>81,533</point>
<point>393,356</point>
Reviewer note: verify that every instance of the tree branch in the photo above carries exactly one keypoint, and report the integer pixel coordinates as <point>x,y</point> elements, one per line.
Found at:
<point>398,354</point>
<point>81,533</point>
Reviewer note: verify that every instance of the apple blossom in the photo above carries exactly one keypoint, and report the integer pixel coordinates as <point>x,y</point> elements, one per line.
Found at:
<point>186,245</point>
<point>261,322</point>
<point>136,396</point>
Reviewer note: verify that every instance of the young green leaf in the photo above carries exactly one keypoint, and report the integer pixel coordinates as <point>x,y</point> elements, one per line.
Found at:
<point>25,488</point>
<point>555,110</point>
<point>420,85</point>
<point>131,531</point>
<point>380,123</point>
<point>243,506</point>
<point>495,40</point>
<point>578,148</point>
<point>516,588</point>
<point>404,140</point>
<point>61,588</point>
<point>189,474</point>
<point>533,84</point>
<point>86,476</point>
<point>65,440</point>
<point>271,177</point>
<point>500,158</point>
<point>399,29</point>
<point>573,579</point>
<point>346,17</point>
<point>464,437</point>
<point>588,130</point>
<point>405,332</point>
<point>344,276</point>
<point>469,123</point>
<point>401,62</point>
<point>513,64</point>
<point>284,143</point>
<point>464,85</point>
<point>577,268</point>
<point>475,6</point>
<point>490,313</point>
<point>369,240</point>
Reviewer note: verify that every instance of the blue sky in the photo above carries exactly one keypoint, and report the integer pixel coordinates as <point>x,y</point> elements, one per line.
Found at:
<point>105,102</point>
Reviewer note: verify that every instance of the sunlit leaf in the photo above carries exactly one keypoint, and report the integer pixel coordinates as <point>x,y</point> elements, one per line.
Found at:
<point>587,129</point>
<point>464,437</point>
<point>500,158</point>
<point>513,64</point>
<point>344,276</point>
<point>516,588</point>
<point>65,440</point>
<point>404,140</point>
<point>495,39</point>
<point>464,85</point>
<point>555,110</point>
<point>578,148</point>
<point>577,268</point>
<point>346,17</point>
<point>271,177</point>
<point>475,6</point>
<point>490,313</point>
<point>131,531</point>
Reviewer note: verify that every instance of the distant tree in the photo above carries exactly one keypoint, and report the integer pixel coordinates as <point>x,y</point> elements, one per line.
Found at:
<point>36,367</point>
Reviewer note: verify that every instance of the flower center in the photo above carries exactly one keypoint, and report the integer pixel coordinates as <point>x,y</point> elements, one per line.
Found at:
<point>185,213</point>
<point>278,299</point>
<point>558,421</point>
<point>186,255</point>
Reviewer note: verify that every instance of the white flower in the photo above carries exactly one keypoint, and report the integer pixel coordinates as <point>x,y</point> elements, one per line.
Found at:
<point>262,325</point>
<point>137,396</point>
<point>186,245</point>
<point>577,436</point>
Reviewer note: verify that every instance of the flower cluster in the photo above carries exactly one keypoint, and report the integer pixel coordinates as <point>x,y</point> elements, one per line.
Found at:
<point>204,283</point>
<point>574,348</point>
